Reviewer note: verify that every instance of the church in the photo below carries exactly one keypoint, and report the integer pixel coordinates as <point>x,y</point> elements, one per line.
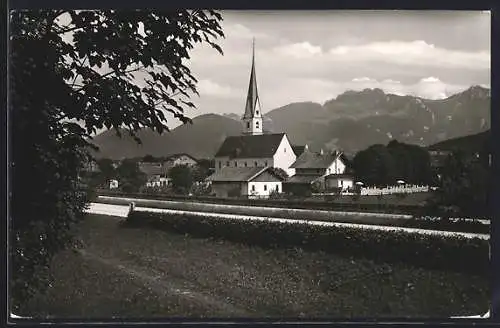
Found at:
<point>242,163</point>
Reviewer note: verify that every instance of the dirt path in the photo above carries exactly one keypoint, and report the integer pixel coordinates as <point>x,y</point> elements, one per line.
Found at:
<point>164,284</point>
<point>136,273</point>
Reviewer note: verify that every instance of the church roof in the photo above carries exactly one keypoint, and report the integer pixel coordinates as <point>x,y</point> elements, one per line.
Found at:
<point>310,160</point>
<point>250,146</point>
<point>253,94</point>
<point>236,174</point>
<point>303,179</point>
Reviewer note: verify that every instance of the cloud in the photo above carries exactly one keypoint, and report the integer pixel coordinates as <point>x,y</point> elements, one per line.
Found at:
<point>240,31</point>
<point>430,79</point>
<point>417,53</point>
<point>298,50</point>
<point>363,79</point>
<point>210,88</point>
<point>390,81</point>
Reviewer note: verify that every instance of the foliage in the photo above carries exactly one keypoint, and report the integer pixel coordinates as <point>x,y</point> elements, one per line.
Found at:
<point>430,251</point>
<point>279,172</point>
<point>201,171</point>
<point>274,194</point>
<point>201,189</point>
<point>413,163</point>
<point>375,166</point>
<point>380,165</point>
<point>149,159</point>
<point>464,187</point>
<point>91,61</point>
<point>182,178</point>
<point>131,178</point>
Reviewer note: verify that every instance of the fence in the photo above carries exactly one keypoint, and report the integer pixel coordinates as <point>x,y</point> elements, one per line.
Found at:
<point>394,190</point>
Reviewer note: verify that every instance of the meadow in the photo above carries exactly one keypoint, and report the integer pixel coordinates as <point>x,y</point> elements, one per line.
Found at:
<point>124,271</point>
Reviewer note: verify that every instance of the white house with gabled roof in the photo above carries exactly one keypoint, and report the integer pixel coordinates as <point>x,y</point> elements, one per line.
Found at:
<point>245,181</point>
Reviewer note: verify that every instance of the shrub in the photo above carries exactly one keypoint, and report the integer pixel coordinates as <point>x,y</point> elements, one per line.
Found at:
<point>434,252</point>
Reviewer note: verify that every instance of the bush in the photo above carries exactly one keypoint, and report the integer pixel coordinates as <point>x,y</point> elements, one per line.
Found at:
<point>182,179</point>
<point>434,252</point>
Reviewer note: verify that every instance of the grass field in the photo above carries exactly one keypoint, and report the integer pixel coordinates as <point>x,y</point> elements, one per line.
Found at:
<point>131,272</point>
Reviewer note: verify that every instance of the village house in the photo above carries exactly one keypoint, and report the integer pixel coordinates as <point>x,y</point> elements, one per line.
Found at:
<point>156,174</point>
<point>258,182</point>
<point>253,151</point>
<point>325,170</point>
<point>179,159</point>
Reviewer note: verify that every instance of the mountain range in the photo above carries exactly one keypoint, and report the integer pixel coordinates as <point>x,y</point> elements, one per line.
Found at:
<point>351,122</point>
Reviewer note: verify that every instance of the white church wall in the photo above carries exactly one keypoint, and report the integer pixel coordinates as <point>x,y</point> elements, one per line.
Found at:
<point>285,157</point>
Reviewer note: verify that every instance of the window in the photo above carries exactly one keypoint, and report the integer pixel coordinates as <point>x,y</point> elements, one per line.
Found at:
<point>245,164</point>
<point>257,124</point>
<point>235,164</point>
<point>257,112</point>
<point>255,163</point>
<point>265,163</point>
<point>248,125</point>
<point>265,187</point>
<point>220,165</point>
<point>277,187</point>
<point>284,149</point>
<point>253,187</point>
<point>227,164</point>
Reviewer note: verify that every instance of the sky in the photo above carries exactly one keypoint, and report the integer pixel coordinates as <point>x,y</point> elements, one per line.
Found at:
<point>317,55</point>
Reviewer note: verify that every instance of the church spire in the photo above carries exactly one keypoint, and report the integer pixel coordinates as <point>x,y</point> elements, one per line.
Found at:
<point>252,95</point>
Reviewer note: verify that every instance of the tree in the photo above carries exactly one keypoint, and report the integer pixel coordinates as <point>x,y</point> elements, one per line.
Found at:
<point>279,172</point>
<point>375,166</point>
<point>412,162</point>
<point>130,176</point>
<point>107,170</point>
<point>149,158</point>
<point>182,178</point>
<point>202,170</point>
<point>121,70</point>
<point>464,187</point>
<point>384,165</point>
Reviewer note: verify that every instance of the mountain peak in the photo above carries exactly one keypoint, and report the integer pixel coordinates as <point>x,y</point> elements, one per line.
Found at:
<point>474,92</point>
<point>365,93</point>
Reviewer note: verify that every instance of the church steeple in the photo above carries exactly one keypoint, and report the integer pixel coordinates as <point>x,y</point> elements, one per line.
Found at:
<point>252,119</point>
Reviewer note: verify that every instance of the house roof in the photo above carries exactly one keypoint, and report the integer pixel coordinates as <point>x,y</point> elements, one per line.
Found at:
<point>237,174</point>
<point>250,146</point>
<point>303,179</point>
<point>298,150</point>
<point>151,169</point>
<point>309,160</point>
<point>333,176</point>
<point>175,156</point>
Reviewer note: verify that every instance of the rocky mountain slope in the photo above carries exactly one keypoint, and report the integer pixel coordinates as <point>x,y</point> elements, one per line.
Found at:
<point>351,122</point>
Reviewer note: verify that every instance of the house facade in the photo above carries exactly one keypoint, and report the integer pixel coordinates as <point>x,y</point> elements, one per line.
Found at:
<point>322,170</point>
<point>180,159</point>
<point>156,174</point>
<point>245,182</point>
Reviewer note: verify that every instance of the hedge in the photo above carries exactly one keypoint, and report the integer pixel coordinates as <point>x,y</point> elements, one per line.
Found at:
<point>416,210</point>
<point>429,251</point>
<point>311,214</point>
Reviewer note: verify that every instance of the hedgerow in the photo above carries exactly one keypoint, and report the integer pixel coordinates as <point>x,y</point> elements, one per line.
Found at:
<point>430,251</point>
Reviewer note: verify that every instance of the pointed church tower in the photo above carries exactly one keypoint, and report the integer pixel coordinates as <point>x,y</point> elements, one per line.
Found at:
<point>252,119</point>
